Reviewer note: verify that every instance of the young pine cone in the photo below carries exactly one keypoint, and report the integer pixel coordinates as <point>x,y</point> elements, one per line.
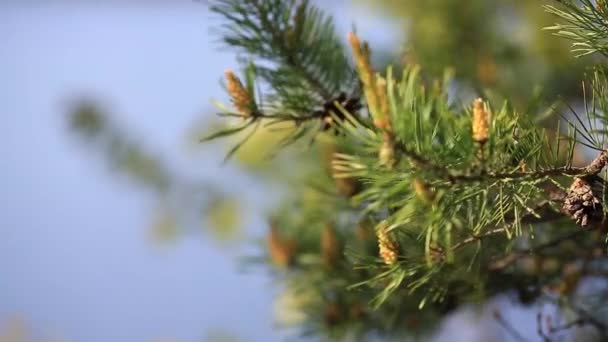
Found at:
<point>388,249</point>
<point>280,249</point>
<point>480,122</point>
<point>330,245</point>
<point>583,200</point>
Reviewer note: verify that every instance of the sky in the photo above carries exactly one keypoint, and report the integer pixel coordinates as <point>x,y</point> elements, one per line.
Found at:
<point>74,258</point>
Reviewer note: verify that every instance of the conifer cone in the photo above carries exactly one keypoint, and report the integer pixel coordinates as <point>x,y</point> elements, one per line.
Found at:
<point>280,249</point>
<point>330,246</point>
<point>388,249</point>
<point>583,200</point>
<point>480,122</point>
<point>239,95</point>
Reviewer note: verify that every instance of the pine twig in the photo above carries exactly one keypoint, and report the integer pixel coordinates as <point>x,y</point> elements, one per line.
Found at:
<point>289,58</point>
<point>588,318</point>
<point>512,257</point>
<point>539,327</point>
<point>593,168</point>
<point>549,215</point>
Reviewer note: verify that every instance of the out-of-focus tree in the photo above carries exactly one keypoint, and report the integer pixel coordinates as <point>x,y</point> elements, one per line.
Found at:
<point>495,47</point>
<point>182,203</point>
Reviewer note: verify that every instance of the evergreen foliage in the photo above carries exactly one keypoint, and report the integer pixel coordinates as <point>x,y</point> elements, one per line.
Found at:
<point>412,201</point>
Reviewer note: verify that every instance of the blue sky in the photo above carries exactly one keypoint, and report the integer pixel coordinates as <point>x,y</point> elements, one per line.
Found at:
<point>74,257</point>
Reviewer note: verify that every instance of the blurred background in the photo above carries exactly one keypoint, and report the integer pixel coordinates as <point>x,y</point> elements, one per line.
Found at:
<point>116,224</point>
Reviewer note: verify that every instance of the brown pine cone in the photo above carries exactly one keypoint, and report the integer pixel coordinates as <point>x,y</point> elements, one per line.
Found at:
<point>583,200</point>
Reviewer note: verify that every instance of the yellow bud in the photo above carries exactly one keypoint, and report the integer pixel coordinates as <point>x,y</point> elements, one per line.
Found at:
<point>480,122</point>
<point>388,249</point>
<point>238,94</point>
<point>361,55</point>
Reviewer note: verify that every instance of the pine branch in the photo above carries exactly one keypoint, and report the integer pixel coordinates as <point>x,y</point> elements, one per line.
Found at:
<point>508,260</point>
<point>437,179</point>
<point>588,318</point>
<point>423,163</point>
<point>544,213</point>
<point>539,328</point>
<point>308,58</point>
<point>584,318</point>
<point>585,24</point>
<point>293,48</point>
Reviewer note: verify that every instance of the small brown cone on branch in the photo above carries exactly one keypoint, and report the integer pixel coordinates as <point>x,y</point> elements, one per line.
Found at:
<point>330,246</point>
<point>583,203</point>
<point>388,249</point>
<point>280,249</point>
